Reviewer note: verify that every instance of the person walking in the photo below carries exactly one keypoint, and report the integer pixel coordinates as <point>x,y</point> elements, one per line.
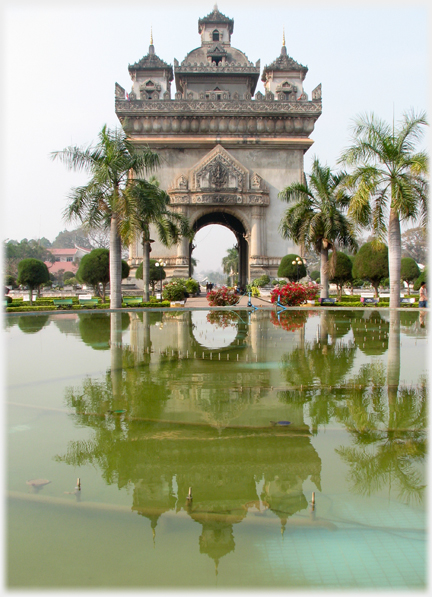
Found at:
<point>423,295</point>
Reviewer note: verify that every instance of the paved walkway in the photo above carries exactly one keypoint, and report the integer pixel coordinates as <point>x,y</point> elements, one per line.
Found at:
<point>200,302</point>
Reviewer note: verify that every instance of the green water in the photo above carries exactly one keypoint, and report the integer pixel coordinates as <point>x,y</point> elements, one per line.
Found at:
<point>142,406</point>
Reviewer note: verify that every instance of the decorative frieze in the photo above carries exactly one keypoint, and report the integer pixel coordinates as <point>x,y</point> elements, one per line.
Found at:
<point>244,199</point>
<point>209,107</point>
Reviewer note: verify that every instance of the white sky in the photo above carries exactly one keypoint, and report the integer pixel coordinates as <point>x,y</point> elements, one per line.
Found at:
<point>62,59</point>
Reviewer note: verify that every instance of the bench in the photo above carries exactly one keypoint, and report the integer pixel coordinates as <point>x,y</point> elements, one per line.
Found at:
<point>89,302</point>
<point>367,300</point>
<point>62,302</point>
<point>133,300</point>
<point>326,301</point>
<point>407,301</point>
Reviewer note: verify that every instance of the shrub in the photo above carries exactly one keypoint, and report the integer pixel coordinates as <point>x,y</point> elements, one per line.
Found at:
<point>422,278</point>
<point>290,271</point>
<point>261,281</point>
<point>8,299</point>
<point>315,275</point>
<point>222,297</point>
<point>174,291</point>
<point>192,286</point>
<point>294,294</point>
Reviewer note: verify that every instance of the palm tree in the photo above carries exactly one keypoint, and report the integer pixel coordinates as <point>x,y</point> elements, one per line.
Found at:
<point>107,201</point>
<point>151,209</point>
<point>388,182</point>
<point>317,219</point>
<point>230,263</point>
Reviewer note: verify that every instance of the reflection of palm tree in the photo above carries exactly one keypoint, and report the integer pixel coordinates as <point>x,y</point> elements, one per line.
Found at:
<point>389,433</point>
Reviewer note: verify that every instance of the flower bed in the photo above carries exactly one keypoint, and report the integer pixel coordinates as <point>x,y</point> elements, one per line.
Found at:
<point>222,297</point>
<point>293,294</point>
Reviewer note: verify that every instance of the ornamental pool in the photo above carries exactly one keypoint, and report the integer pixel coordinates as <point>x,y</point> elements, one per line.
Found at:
<point>302,437</point>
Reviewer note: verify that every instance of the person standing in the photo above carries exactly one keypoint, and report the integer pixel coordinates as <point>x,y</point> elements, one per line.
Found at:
<point>423,295</point>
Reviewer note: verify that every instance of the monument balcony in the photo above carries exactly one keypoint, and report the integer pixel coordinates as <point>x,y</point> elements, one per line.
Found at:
<point>179,117</point>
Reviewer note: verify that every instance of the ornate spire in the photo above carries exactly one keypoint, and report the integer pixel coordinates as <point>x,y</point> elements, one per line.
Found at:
<point>283,50</point>
<point>151,46</point>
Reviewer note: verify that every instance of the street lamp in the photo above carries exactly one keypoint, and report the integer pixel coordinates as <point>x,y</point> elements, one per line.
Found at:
<point>297,262</point>
<point>160,264</point>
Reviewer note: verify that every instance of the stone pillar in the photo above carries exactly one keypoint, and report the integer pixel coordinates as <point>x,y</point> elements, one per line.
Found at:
<point>256,232</point>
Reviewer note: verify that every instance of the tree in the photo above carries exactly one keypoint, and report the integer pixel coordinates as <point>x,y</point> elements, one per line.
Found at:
<point>15,252</point>
<point>315,275</point>
<point>69,239</point>
<point>291,271</point>
<point>409,270</point>
<point>32,273</point>
<point>388,182</point>
<point>422,278</point>
<point>107,200</point>
<point>230,263</point>
<point>156,273</point>
<point>343,271</point>
<point>94,269</point>
<point>317,219</point>
<point>415,244</point>
<point>151,210</point>
<point>371,263</point>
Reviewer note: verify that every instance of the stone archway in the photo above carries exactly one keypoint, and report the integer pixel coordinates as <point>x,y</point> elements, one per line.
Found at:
<point>237,227</point>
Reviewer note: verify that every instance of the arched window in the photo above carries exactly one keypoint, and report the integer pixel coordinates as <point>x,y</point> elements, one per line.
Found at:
<point>215,35</point>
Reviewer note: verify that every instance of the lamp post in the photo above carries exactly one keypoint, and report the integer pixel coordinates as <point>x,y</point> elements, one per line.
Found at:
<point>160,264</point>
<point>297,262</point>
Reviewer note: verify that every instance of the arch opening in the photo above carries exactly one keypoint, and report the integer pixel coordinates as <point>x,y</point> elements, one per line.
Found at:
<point>233,224</point>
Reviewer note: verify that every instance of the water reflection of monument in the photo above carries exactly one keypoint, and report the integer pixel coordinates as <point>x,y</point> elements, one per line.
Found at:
<point>217,438</point>
<point>235,470</point>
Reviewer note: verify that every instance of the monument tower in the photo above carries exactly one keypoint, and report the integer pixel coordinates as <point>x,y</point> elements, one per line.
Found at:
<point>226,151</point>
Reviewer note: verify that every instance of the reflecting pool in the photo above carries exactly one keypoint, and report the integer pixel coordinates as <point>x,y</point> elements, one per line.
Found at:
<point>217,449</point>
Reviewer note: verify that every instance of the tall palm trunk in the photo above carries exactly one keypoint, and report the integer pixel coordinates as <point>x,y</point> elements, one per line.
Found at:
<point>115,265</point>
<point>146,269</point>
<point>394,249</point>
<point>324,272</point>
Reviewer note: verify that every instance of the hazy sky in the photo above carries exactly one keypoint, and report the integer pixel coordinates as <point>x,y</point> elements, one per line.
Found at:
<point>62,59</point>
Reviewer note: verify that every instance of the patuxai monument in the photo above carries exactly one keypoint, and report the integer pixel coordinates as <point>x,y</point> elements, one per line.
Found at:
<point>226,151</point>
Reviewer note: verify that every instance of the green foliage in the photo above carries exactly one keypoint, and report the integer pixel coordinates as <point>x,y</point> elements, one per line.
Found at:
<point>32,273</point>
<point>10,281</point>
<point>230,263</point>
<point>174,291</point>
<point>192,286</point>
<point>343,271</point>
<point>371,263</point>
<point>409,270</point>
<point>422,278</point>
<point>8,299</point>
<point>288,270</point>
<point>14,252</point>
<point>68,276</point>
<point>315,275</point>
<point>94,269</point>
<point>261,281</point>
<point>157,273</point>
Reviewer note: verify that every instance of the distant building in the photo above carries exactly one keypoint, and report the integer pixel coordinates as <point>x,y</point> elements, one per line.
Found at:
<point>66,259</point>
